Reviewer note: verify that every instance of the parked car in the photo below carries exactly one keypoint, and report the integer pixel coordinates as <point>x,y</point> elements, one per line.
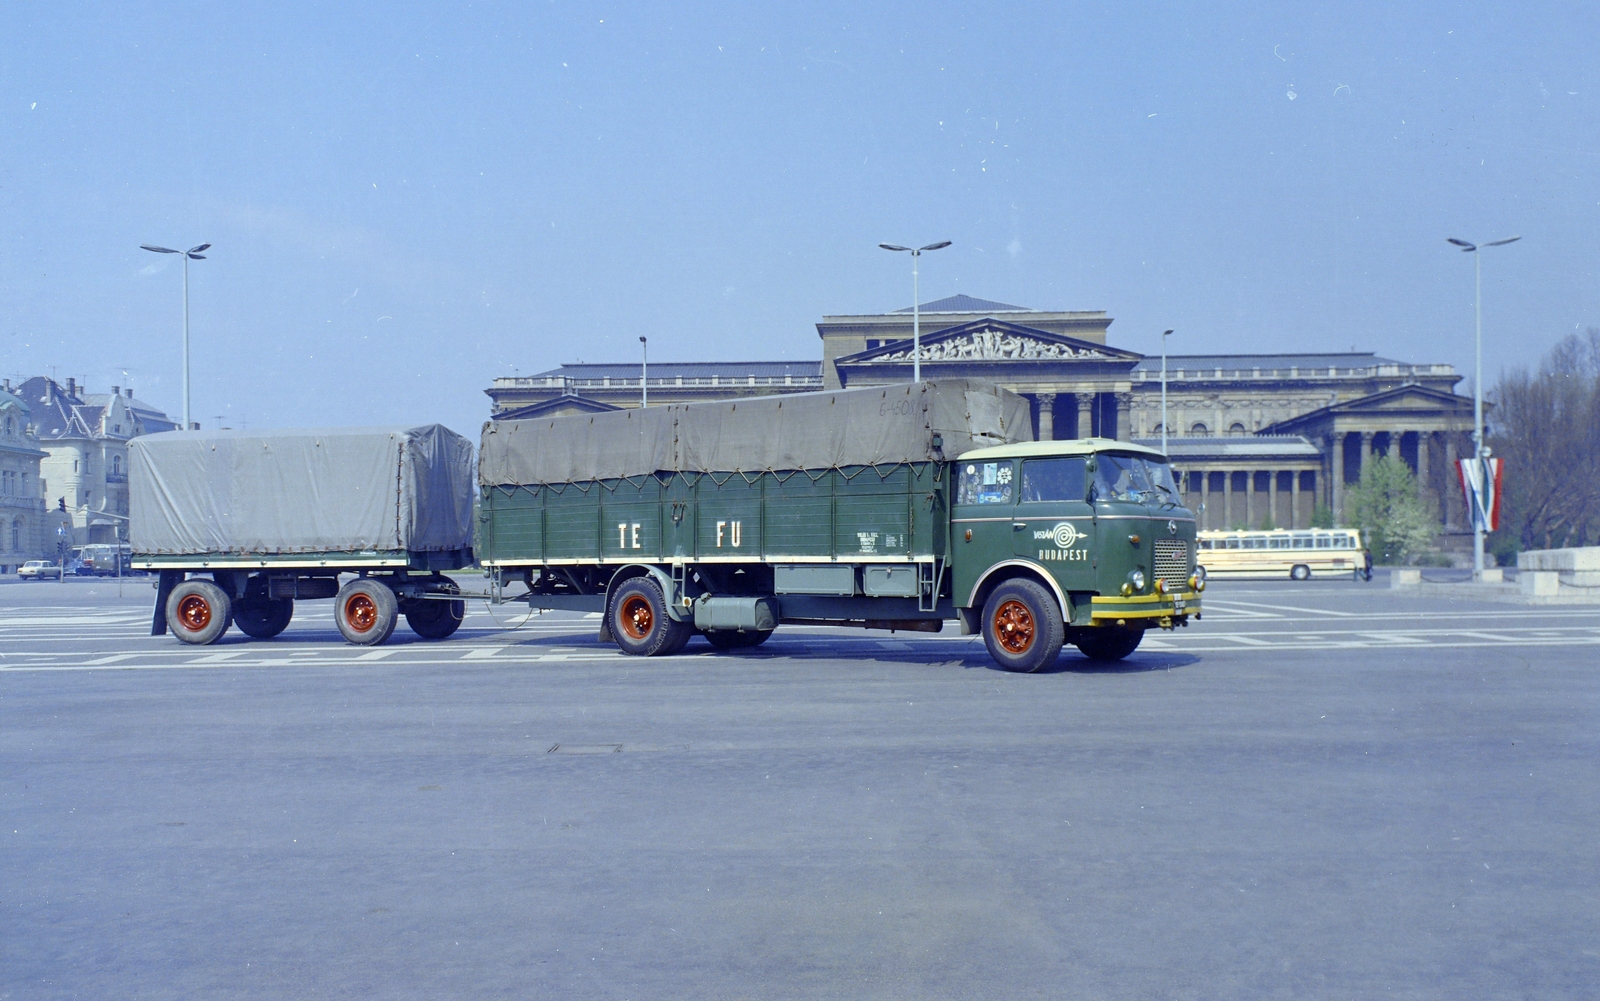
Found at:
<point>38,570</point>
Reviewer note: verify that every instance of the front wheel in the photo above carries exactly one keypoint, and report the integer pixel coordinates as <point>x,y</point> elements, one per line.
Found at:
<point>198,612</point>
<point>1022,626</point>
<point>1300,572</point>
<point>639,620</point>
<point>1108,643</point>
<point>366,612</point>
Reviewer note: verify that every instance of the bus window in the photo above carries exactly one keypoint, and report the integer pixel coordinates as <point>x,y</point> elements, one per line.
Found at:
<point>1053,479</point>
<point>1278,542</point>
<point>1324,541</point>
<point>1342,541</point>
<point>1301,541</point>
<point>1232,543</point>
<point>1206,544</point>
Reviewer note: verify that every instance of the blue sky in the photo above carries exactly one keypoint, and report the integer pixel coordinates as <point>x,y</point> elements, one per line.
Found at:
<point>405,204</point>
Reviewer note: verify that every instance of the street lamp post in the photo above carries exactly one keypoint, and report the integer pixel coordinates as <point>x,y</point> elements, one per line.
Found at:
<point>916,304</point>
<point>1164,335</point>
<point>192,252</point>
<point>1480,451</point>
<point>644,373</point>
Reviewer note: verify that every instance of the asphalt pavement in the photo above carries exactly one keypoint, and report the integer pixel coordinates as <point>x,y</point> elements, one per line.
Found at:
<point>1320,790</point>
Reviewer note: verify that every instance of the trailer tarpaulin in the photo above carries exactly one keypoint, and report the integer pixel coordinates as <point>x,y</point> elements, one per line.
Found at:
<point>909,422</point>
<point>300,491</point>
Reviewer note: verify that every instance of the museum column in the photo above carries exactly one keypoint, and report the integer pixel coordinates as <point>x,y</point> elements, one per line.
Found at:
<point>1085,414</point>
<point>1124,421</point>
<point>1047,416</point>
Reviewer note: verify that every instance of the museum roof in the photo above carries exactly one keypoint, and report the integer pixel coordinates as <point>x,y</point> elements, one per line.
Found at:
<point>1240,446</point>
<point>1248,362</point>
<point>966,304</point>
<point>671,369</point>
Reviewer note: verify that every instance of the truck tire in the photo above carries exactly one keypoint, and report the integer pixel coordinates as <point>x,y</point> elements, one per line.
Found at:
<point>1108,643</point>
<point>728,639</point>
<point>1022,626</point>
<point>263,618</point>
<point>433,619</point>
<point>639,621</point>
<point>198,612</point>
<point>366,612</point>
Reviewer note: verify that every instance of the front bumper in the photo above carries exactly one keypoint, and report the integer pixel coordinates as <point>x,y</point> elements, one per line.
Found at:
<point>1163,609</point>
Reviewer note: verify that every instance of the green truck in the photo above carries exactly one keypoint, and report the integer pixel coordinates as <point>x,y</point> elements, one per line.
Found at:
<point>900,507</point>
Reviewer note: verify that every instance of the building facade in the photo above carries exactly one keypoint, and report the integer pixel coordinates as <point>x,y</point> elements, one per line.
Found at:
<point>83,477</point>
<point>22,515</point>
<point>1257,439</point>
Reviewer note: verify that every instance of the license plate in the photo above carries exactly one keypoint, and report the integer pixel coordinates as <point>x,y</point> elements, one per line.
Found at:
<point>1177,604</point>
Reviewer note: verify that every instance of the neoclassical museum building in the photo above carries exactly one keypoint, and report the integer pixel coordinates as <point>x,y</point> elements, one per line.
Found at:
<point>1258,439</point>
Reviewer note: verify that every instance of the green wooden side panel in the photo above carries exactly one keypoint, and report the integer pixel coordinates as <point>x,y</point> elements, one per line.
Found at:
<point>572,523</point>
<point>513,525</point>
<point>729,518</point>
<point>800,516</point>
<point>679,515</point>
<point>872,513</point>
<point>630,519</point>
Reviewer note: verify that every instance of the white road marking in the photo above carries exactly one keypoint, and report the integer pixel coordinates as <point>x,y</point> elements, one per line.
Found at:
<point>483,652</point>
<point>1292,608</point>
<point>115,658</point>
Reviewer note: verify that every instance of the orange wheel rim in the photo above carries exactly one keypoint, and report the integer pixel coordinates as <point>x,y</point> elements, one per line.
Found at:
<point>1013,626</point>
<point>637,617</point>
<point>360,612</point>
<point>194,612</point>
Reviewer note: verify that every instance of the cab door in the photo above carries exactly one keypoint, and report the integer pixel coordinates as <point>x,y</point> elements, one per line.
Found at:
<point>1054,523</point>
<point>980,520</point>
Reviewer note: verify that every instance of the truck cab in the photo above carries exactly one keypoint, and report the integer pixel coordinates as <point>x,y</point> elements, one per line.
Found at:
<point>1084,542</point>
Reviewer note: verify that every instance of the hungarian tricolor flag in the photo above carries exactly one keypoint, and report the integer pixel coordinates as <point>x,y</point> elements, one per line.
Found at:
<point>1480,480</point>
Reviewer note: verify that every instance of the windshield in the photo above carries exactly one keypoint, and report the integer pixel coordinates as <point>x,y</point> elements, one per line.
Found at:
<point>1133,478</point>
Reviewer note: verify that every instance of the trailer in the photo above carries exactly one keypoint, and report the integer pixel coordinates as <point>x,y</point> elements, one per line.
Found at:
<point>241,525</point>
<point>900,507</point>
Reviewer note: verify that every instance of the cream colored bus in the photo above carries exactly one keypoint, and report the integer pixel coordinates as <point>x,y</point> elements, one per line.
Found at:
<point>1298,555</point>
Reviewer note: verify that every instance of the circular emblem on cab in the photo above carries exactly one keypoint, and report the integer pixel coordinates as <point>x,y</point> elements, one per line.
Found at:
<point>1064,535</point>
<point>1172,528</point>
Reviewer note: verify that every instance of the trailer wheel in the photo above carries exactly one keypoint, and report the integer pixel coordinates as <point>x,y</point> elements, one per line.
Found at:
<point>639,621</point>
<point>198,612</point>
<point>728,639</point>
<point>433,619</point>
<point>263,618</point>
<point>1022,626</point>
<point>1300,572</point>
<point>366,612</point>
<point>1108,643</point>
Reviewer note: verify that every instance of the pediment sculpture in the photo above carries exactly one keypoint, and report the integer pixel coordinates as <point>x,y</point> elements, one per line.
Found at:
<point>990,344</point>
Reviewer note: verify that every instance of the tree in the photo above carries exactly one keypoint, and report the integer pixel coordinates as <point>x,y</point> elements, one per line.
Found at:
<point>1545,430</point>
<point>1398,523</point>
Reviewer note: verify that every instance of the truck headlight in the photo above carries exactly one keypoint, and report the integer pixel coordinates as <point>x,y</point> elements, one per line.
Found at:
<point>1197,582</point>
<point>1137,580</point>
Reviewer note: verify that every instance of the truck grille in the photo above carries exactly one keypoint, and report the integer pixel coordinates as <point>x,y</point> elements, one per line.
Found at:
<point>1172,562</point>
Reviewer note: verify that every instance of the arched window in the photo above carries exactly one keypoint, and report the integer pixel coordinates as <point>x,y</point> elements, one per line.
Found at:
<point>16,536</point>
<point>1236,428</point>
<point>1199,428</point>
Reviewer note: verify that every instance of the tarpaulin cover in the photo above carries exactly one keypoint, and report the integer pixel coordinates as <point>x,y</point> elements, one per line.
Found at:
<point>300,491</point>
<point>846,427</point>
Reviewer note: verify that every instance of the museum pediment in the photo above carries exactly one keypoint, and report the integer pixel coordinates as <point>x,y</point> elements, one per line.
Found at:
<point>990,341</point>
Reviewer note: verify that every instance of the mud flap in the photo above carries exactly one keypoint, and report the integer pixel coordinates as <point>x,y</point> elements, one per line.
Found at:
<point>168,580</point>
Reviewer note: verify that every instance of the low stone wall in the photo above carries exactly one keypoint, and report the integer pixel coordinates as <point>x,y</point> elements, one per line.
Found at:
<point>1573,568</point>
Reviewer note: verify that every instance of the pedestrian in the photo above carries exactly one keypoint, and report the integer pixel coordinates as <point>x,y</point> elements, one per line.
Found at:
<point>1366,563</point>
